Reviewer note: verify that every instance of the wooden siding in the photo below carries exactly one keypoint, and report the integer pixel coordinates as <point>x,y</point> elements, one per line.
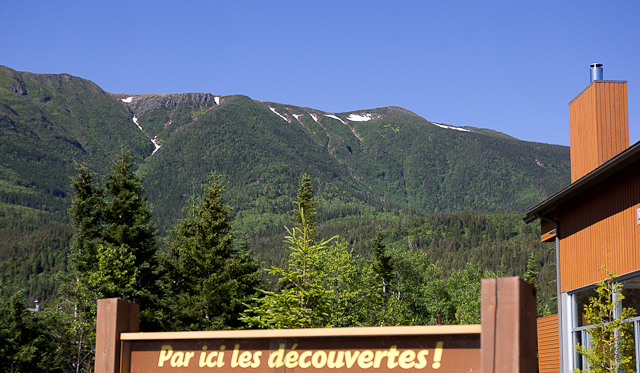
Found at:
<point>599,126</point>
<point>548,228</point>
<point>548,345</point>
<point>599,228</point>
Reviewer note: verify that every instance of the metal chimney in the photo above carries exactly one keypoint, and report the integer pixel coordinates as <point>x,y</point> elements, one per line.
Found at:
<point>596,72</point>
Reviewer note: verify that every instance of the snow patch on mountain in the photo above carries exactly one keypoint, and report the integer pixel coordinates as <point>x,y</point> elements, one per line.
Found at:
<point>297,117</point>
<point>280,115</point>
<point>315,117</point>
<point>135,120</point>
<point>450,127</point>
<point>153,140</point>
<point>127,100</point>
<point>217,100</point>
<point>360,117</point>
<point>155,143</point>
<point>334,117</point>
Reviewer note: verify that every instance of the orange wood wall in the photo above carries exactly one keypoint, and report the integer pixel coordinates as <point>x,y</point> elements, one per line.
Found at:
<point>599,228</point>
<point>548,346</point>
<point>599,126</point>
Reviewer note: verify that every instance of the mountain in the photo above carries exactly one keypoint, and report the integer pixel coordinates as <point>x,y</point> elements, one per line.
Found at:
<point>365,164</point>
<point>49,122</point>
<point>381,156</point>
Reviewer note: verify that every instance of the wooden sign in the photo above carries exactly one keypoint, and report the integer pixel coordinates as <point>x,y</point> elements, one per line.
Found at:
<point>505,342</point>
<point>347,350</point>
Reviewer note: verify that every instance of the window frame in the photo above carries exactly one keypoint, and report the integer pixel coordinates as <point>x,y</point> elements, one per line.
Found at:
<point>582,331</point>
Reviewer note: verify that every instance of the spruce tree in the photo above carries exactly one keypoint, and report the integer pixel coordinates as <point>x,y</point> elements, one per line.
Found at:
<point>531,274</point>
<point>114,249</point>
<point>209,279</point>
<point>305,205</point>
<point>383,264</point>
<point>128,221</point>
<point>301,301</point>
<point>86,219</point>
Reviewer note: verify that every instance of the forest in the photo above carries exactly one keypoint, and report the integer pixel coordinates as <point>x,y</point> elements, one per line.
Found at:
<point>206,276</point>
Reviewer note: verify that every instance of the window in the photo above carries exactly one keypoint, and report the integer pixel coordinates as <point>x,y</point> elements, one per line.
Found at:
<point>580,325</point>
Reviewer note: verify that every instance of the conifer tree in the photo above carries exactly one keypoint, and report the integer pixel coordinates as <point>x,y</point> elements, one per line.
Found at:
<point>114,249</point>
<point>301,301</point>
<point>86,219</point>
<point>383,264</point>
<point>128,221</point>
<point>24,345</point>
<point>305,205</point>
<point>531,277</point>
<point>531,274</point>
<point>209,279</point>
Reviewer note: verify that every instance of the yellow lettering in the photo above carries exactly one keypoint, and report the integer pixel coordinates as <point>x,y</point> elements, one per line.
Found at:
<point>188,357</point>
<point>319,359</point>
<point>203,354</point>
<point>210,357</point>
<point>302,362</point>
<point>351,359</point>
<point>333,362</point>
<point>165,354</point>
<point>256,359</point>
<point>177,360</point>
<point>391,357</point>
<point>406,359</point>
<point>422,359</point>
<point>364,360</point>
<point>234,356</point>
<point>221,357</point>
<point>291,359</point>
<point>437,355</point>
<point>276,359</point>
<point>378,359</point>
<point>245,359</point>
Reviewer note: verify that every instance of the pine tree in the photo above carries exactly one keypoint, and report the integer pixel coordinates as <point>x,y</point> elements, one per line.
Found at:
<point>305,205</point>
<point>209,279</point>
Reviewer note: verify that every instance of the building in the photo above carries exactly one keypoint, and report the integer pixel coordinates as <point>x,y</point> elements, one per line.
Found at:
<point>595,221</point>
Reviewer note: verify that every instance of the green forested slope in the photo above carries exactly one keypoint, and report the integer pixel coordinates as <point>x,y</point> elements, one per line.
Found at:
<point>397,159</point>
<point>48,124</point>
<point>393,172</point>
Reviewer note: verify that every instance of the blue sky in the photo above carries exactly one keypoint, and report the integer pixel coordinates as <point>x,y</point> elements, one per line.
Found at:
<point>511,66</point>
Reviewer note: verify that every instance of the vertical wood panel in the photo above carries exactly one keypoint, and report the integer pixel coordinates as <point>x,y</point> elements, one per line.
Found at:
<point>548,345</point>
<point>599,228</point>
<point>599,126</point>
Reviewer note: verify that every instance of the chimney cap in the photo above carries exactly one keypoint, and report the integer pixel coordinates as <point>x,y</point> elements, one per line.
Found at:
<point>595,65</point>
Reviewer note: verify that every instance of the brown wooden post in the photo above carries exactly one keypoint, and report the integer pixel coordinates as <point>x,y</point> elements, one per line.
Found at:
<point>508,338</point>
<point>115,316</point>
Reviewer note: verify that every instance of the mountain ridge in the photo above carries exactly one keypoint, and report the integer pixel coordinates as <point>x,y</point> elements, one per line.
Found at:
<point>140,104</point>
<point>357,140</point>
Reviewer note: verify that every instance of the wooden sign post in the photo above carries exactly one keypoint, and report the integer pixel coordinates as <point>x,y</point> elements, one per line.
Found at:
<point>504,342</point>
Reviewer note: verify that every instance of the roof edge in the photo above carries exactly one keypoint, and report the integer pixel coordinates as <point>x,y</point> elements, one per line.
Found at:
<point>611,166</point>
